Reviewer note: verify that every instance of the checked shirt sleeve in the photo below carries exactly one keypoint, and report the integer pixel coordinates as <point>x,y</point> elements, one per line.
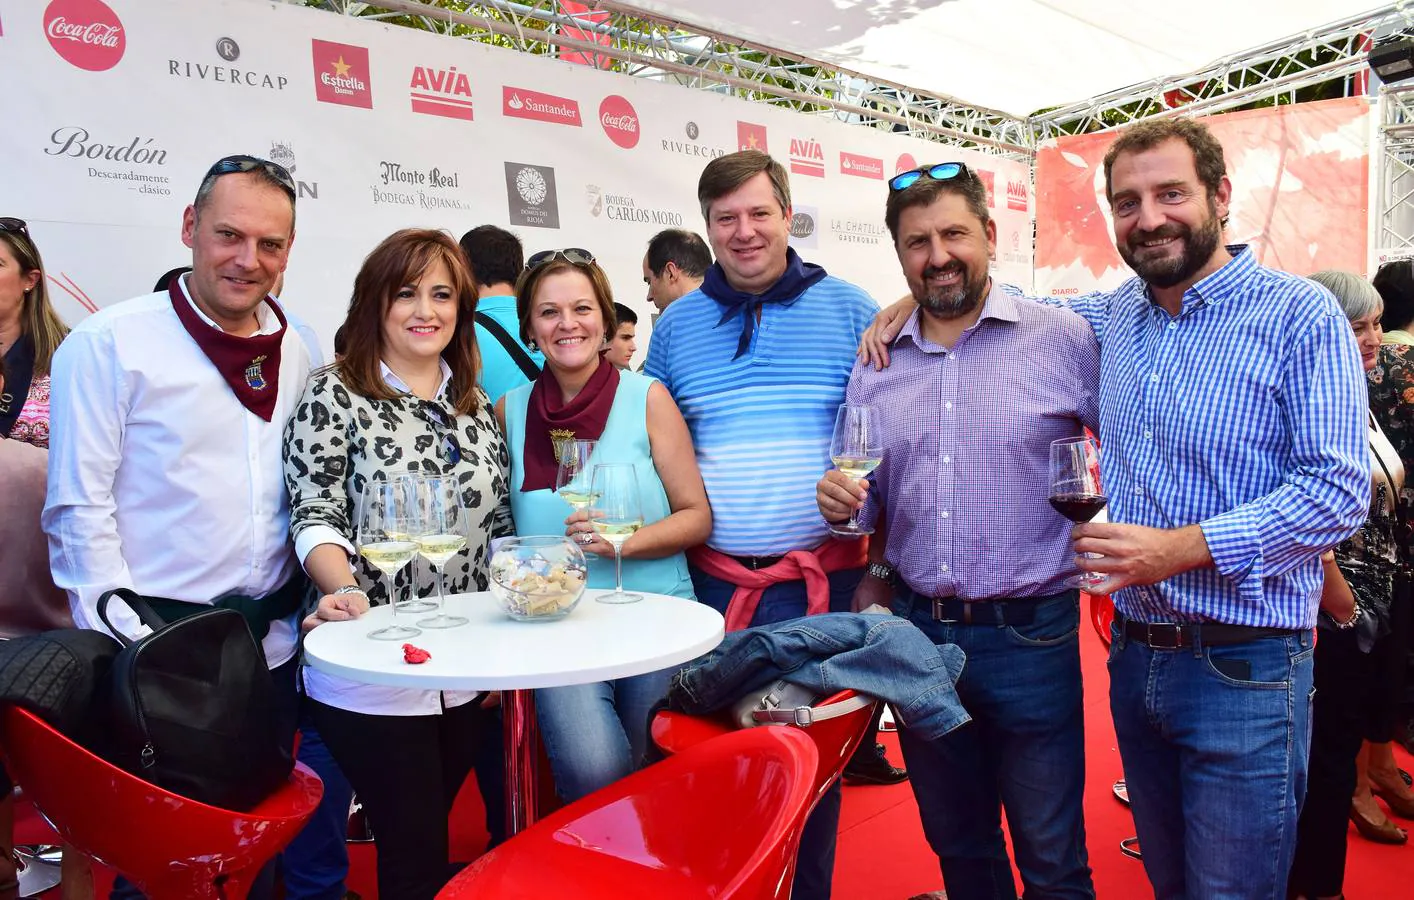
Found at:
<point>1325,494</point>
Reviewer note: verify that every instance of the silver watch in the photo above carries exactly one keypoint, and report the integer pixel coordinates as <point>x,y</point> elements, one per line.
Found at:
<point>882,571</point>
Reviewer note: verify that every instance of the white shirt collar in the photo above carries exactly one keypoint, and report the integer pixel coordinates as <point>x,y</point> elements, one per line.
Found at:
<point>269,322</point>
<point>393,381</point>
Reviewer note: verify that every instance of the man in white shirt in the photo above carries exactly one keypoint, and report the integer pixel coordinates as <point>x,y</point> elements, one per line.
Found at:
<point>167,426</point>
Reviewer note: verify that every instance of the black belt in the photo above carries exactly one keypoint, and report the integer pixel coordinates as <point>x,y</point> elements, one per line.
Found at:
<point>983,612</point>
<point>758,562</point>
<point>259,612</point>
<point>1175,636</point>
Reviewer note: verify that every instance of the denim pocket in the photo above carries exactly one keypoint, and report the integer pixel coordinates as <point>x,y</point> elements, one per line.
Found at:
<point>1056,622</point>
<point>1267,664</point>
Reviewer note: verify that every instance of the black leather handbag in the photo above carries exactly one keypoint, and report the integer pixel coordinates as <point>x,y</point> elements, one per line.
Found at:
<point>190,707</point>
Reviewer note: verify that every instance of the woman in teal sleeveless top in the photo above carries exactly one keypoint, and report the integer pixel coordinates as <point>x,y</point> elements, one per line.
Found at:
<point>597,733</point>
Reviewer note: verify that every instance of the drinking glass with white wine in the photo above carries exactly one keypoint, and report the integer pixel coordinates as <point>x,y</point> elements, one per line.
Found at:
<point>387,522</point>
<point>441,535</point>
<point>856,449</point>
<point>615,514</point>
<point>573,477</point>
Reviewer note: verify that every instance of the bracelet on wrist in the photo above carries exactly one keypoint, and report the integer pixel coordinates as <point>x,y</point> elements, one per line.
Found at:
<point>1348,623</point>
<point>350,589</point>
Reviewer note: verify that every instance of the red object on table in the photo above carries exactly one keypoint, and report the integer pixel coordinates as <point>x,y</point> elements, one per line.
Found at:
<point>172,847</point>
<point>415,655</point>
<point>835,739</point>
<point>722,819</point>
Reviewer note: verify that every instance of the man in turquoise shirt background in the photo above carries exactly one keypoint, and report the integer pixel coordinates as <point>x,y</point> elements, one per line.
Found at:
<point>496,260</point>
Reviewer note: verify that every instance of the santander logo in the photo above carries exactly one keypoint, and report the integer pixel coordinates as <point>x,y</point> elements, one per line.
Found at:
<point>620,121</point>
<point>861,166</point>
<point>521,103</point>
<point>87,33</point>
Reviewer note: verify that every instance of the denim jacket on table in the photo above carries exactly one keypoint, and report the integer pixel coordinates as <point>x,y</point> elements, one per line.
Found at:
<point>880,655</point>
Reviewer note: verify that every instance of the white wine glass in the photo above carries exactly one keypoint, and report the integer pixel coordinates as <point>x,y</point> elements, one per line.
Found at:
<point>856,449</point>
<point>1076,492</point>
<point>616,513</point>
<point>387,519</point>
<point>573,476</point>
<point>441,535</point>
<point>410,482</point>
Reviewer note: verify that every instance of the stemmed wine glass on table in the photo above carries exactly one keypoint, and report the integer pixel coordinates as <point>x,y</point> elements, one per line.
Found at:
<point>856,449</point>
<point>387,522</point>
<point>1076,492</point>
<point>615,513</point>
<point>573,477</point>
<point>441,535</point>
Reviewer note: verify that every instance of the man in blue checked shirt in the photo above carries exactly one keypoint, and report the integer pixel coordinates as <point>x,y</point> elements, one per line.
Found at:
<point>975,555</point>
<point>1232,421</point>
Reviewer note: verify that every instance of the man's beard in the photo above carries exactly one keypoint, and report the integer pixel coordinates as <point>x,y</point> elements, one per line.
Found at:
<point>1165,272</point>
<point>955,301</point>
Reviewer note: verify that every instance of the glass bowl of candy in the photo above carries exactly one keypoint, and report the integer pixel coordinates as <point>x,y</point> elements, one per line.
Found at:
<point>538,578</point>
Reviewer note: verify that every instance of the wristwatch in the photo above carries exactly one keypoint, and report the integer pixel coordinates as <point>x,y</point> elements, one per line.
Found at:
<point>882,571</point>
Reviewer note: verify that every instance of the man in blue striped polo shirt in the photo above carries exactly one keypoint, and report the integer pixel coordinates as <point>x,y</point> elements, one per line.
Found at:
<point>757,359</point>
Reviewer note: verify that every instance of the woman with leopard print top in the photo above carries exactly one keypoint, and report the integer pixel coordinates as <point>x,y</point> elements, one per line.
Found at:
<point>402,399</point>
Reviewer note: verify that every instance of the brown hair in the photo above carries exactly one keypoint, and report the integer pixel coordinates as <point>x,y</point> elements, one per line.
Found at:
<point>1207,152</point>
<point>925,192</point>
<point>727,173</point>
<point>530,280</point>
<point>401,259</point>
<point>38,320</point>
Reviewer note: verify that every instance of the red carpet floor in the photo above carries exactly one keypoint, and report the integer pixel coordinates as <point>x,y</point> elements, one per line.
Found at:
<point>882,854</point>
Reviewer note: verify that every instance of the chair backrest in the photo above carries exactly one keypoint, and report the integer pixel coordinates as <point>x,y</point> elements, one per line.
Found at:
<point>835,739</point>
<point>721,819</point>
<point>1102,615</point>
<point>169,845</point>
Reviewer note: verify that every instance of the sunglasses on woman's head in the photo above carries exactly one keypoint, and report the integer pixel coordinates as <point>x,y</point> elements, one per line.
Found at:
<point>11,224</point>
<point>937,172</point>
<point>576,255</point>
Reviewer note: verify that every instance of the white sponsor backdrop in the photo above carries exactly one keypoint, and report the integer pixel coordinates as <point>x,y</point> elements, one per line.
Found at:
<point>115,108</point>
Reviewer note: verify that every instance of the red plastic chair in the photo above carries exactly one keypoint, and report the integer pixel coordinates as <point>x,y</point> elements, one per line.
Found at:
<point>720,820</point>
<point>173,848</point>
<point>835,739</point>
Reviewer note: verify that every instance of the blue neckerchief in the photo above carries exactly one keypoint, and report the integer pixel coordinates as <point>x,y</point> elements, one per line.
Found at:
<point>798,276</point>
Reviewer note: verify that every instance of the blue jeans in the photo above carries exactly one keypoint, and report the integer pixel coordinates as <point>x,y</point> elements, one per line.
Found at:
<point>316,863</point>
<point>597,733</point>
<point>1023,750</point>
<point>815,862</point>
<point>1215,742</point>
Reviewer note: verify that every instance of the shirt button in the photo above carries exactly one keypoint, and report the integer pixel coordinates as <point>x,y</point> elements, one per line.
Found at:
<point>1173,325</point>
<point>1154,376</point>
<point>1148,435</point>
<point>947,459</point>
<point>1138,489</point>
<point>946,514</point>
<point>947,405</point>
<point>944,567</point>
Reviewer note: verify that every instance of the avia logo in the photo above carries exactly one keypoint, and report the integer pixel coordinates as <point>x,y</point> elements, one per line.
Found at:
<point>1016,195</point>
<point>905,163</point>
<point>341,74</point>
<point>620,121</point>
<point>989,181</point>
<point>861,166</point>
<point>519,103</point>
<point>807,157</point>
<point>440,92</point>
<point>86,33</point>
<point>750,136</point>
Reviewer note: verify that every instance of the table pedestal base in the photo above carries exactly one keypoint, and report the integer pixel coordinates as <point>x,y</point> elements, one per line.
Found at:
<point>518,719</point>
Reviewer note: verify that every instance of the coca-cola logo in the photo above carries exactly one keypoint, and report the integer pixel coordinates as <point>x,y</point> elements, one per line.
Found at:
<point>86,33</point>
<point>620,121</point>
<point>905,163</point>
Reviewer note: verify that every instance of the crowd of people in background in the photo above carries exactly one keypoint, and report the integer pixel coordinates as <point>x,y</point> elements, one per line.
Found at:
<point>1255,430</point>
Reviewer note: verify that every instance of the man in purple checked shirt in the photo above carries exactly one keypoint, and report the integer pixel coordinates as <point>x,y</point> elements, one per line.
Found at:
<point>968,547</point>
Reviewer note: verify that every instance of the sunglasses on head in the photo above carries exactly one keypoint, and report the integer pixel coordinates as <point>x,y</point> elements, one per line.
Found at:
<point>448,449</point>
<point>13,225</point>
<point>937,172</point>
<point>235,164</point>
<point>575,255</point>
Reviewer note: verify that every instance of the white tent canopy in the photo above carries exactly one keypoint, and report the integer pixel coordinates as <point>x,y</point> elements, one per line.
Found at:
<point>1016,56</point>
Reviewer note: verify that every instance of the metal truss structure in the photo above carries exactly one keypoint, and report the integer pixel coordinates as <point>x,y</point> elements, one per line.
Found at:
<point>1394,174</point>
<point>630,41</point>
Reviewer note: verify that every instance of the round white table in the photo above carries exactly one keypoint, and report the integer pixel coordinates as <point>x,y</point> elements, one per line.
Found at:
<point>492,652</point>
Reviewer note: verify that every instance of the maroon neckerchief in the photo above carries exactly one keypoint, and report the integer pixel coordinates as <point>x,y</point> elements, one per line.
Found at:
<point>548,421</point>
<point>250,365</point>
